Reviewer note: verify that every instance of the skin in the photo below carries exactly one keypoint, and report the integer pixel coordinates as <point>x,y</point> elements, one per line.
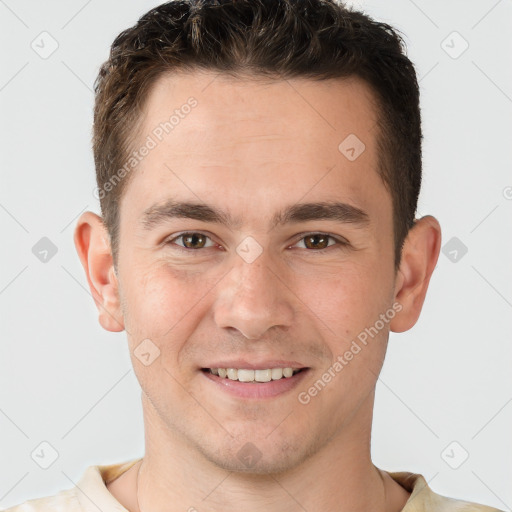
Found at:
<point>251,149</point>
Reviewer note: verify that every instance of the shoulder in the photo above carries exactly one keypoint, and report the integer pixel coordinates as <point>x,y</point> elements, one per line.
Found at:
<point>90,494</point>
<point>424,499</point>
<point>64,501</point>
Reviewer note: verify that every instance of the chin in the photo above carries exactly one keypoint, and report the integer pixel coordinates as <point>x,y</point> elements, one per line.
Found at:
<point>259,455</point>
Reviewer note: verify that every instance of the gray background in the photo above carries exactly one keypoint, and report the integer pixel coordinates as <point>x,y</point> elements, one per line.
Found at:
<point>445,391</point>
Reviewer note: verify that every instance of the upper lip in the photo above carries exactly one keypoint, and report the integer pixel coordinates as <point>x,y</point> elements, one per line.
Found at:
<point>260,365</point>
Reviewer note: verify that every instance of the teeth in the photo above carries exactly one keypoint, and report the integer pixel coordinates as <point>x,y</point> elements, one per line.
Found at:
<point>277,373</point>
<point>287,372</point>
<point>246,375</point>
<point>243,375</point>
<point>262,375</point>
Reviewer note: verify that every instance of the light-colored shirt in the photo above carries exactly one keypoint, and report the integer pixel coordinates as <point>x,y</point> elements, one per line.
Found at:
<point>91,494</point>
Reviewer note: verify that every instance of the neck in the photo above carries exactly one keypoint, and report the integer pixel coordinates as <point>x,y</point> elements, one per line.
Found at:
<point>268,494</point>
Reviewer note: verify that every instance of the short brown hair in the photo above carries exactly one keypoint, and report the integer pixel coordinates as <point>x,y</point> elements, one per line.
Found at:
<point>315,39</point>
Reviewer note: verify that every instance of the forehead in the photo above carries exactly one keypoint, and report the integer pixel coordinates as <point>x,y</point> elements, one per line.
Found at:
<point>258,139</point>
<point>260,106</point>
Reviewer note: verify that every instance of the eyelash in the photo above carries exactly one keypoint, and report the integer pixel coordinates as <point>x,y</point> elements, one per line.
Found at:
<point>340,242</point>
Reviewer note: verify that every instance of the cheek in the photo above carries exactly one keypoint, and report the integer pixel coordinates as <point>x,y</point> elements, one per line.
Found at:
<point>161,301</point>
<point>346,301</point>
<point>163,305</point>
<point>349,306</point>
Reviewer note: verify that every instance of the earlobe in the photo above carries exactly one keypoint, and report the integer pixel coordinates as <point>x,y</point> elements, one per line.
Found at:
<point>419,258</point>
<point>91,242</point>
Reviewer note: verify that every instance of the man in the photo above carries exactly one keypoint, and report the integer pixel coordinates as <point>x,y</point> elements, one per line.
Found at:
<point>258,167</point>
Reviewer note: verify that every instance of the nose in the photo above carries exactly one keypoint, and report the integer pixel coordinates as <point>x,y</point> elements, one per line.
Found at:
<point>253,298</point>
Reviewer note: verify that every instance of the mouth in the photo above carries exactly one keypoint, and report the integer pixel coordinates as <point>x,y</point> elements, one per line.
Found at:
<point>251,383</point>
<point>250,375</point>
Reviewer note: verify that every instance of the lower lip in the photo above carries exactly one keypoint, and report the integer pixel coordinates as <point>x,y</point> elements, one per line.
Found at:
<point>257,390</point>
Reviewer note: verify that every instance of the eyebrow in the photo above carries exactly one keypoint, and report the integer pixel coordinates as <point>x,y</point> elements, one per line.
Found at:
<point>300,212</point>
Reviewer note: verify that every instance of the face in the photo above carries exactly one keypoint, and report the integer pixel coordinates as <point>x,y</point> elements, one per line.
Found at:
<point>269,282</point>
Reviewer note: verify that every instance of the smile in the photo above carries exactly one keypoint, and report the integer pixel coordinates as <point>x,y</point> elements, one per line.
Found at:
<point>244,375</point>
<point>255,384</point>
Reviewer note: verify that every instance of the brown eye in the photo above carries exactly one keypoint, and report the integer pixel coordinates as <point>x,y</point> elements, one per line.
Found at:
<point>191,240</point>
<point>194,240</point>
<point>318,241</point>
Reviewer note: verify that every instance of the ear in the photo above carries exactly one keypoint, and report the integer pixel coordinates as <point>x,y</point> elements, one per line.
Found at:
<point>93,247</point>
<point>419,258</point>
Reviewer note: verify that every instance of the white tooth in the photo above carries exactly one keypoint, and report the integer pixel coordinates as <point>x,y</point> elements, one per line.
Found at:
<point>246,375</point>
<point>277,373</point>
<point>287,372</point>
<point>263,375</point>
